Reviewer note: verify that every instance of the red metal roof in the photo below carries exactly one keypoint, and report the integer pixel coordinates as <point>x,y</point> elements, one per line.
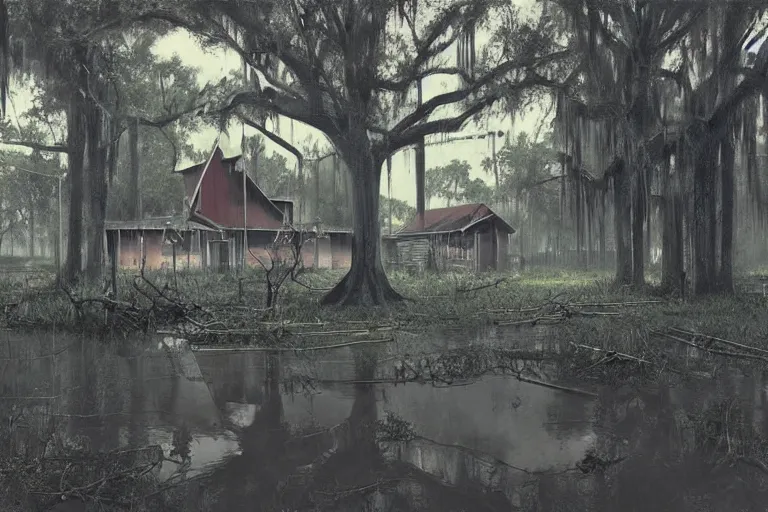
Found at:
<point>214,191</point>
<point>453,218</point>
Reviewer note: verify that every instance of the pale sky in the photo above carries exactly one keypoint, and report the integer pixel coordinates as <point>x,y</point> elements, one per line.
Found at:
<point>214,65</point>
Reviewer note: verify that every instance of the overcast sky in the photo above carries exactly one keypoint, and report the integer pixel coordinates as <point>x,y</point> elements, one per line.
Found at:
<point>213,65</point>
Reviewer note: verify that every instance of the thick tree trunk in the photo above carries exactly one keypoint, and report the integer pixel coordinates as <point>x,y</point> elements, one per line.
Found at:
<point>366,282</point>
<point>590,242</point>
<point>601,238</point>
<point>97,191</point>
<point>75,154</point>
<point>134,195</point>
<point>649,220</point>
<point>672,242</point>
<point>421,172</point>
<point>705,276</point>
<point>622,214</point>
<point>638,234</point>
<point>519,220</point>
<point>727,156</point>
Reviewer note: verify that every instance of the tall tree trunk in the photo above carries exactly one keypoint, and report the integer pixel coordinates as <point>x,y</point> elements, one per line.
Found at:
<point>727,155</point>
<point>97,190</point>
<point>519,222</point>
<point>672,241</point>
<point>366,282</point>
<point>622,214</point>
<point>134,195</point>
<point>316,171</point>
<point>421,172</point>
<point>704,199</point>
<point>75,156</point>
<point>650,218</point>
<point>638,234</point>
<point>601,241</point>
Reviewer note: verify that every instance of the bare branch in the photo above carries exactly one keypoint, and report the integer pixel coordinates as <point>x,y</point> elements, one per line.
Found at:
<point>453,124</point>
<point>284,105</point>
<point>56,148</point>
<point>682,29</point>
<point>404,83</point>
<point>272,136</point>
<point>431,105</point>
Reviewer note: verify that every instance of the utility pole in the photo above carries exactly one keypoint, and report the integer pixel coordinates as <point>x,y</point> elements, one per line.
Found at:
<point>420,170</point>
<point>389,191</point>
<point>495,164</point>
<point>245,198</point>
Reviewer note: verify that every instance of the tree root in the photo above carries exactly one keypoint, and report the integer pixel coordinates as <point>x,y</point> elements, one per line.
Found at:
<point>362,287</point>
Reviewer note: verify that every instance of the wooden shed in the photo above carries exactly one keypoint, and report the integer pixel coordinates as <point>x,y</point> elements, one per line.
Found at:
<point>468,236</point>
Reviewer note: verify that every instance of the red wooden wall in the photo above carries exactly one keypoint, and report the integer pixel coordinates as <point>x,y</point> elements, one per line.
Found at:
<point>221,199</point>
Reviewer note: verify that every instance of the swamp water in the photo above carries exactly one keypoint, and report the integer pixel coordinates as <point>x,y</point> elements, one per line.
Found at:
<point>330,430</point>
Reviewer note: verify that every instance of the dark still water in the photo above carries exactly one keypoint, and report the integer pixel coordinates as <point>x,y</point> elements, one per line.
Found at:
<point>332,430</point>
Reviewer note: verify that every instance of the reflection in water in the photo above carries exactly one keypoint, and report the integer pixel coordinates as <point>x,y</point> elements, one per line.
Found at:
<point>100,398</point>
<point>495,444</point>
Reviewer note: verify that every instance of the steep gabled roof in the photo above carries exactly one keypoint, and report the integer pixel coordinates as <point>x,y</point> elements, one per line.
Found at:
<point>453,218</point>
<point>193,178</point>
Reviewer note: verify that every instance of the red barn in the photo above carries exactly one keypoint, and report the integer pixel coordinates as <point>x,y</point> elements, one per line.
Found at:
<point>218,205</point>
<point>214,195</point>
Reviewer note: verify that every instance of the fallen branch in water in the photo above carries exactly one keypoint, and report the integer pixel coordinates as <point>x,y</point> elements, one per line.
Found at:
<point>615,304</point>
<point>569,305</point>
<point>727,353</point>
<point>346,332</point>
<point>595,313</point>
<point>565,389</point>
<point>718,340</point>
<point>289,349</point>
<point>611,353</point>
<point>531,321</point>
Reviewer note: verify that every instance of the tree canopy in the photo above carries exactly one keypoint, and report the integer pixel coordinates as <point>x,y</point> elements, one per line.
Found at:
<point>347,68</point>
<point>657,111</point>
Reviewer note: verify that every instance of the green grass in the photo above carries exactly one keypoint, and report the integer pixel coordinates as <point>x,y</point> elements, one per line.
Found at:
<point>434,300</point>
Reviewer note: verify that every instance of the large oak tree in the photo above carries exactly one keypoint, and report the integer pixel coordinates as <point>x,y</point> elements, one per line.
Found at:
<point>69,48</point>
<point>346,68</point>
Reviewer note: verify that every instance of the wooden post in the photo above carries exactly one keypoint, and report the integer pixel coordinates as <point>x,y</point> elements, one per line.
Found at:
<point>207,253</point>
<point>317,188</point>
<point>245,213</point>
<point>389,191</point>
<point>115,244</point>
<point>173,248</point>
<point>316,262</point>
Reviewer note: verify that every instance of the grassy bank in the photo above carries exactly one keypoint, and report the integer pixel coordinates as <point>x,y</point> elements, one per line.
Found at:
<point>235,304</point>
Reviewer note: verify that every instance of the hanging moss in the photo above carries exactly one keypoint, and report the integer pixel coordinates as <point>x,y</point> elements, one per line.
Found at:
<point>4,55</point>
